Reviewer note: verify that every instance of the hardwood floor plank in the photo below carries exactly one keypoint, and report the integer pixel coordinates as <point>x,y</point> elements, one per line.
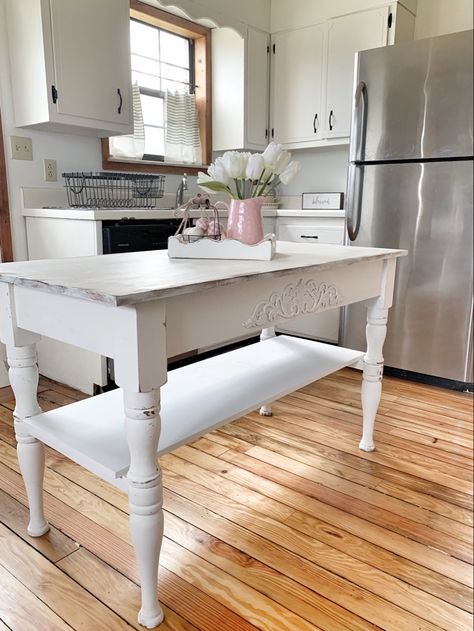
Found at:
<point>408,462</point>
<point>54,545</point>
<point>434,583</point>
<point>61,594</point>
<point>252,431</point>
<point>325,569</point>
<point>431,558</point>
<point>270,523</point>
<point>410,435</point>
<point>88,480</point>
<point>368,496</point>
<point>307,572</point>
<point>203,611</point>
<point>115,590</point>
<point>47,399</point>
<point>257,608</point>
<point>31,615</point>
<point>400,491</point>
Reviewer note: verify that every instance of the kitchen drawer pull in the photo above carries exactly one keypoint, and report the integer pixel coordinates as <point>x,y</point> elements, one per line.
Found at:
<point>309,236</point>
<point>330,120</point>
<point>119,109</point>
<point>315,123</point>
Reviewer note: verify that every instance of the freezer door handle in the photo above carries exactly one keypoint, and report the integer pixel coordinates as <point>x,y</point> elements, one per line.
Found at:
<point>355,181</point>
<point>359,123</point>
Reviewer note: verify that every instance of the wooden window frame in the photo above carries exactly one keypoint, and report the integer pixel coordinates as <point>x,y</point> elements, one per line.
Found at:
<point>5,228</point>
<point>202,42</point>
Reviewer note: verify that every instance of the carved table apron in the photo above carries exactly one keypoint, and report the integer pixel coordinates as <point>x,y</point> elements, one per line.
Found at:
<point>140,333</point>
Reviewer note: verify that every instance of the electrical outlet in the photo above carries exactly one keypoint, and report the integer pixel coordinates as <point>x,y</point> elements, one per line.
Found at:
<point>22,148</point>
<point>50,171</point>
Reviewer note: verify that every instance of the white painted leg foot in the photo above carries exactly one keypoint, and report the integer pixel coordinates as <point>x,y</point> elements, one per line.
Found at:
<point>266,410</point>
<point>23,376</point>
<point>150,621</point>
<point>145,495</point>
<point>373,372</point>
<point>366,446</point>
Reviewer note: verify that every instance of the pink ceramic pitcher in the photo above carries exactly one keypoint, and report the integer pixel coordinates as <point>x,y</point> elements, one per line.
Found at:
<point>245,221</point>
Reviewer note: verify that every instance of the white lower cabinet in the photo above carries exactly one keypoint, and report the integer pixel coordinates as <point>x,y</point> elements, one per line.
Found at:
<point>51,238</point>
<point>323,326</point>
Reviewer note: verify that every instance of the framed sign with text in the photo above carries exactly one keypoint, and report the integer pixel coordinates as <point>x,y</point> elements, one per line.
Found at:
<point>322,201</point>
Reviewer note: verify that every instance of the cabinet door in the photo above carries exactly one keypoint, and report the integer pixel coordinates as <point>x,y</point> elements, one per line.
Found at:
<point>347,35</point>
<point>256,88</point>
<point>297,79</point>
<point>91,51</point>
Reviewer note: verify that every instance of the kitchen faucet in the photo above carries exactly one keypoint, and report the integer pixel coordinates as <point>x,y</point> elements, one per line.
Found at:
<point>183,186</point>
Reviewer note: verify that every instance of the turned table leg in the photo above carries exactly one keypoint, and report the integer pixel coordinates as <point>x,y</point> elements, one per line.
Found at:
<point>266,334</point>
<point>373,371</point>
<point>145,495</point>
<point>23,374</point>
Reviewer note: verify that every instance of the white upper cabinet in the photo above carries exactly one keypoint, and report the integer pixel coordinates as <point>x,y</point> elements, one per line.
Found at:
<point>312,73</point>
<point>345,36</point>
<point>71,65</point>
<point>297,72</point>
<point>240,89</point>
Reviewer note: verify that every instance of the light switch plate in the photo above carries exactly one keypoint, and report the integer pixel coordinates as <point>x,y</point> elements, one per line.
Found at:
<point>50,170</point>
<point>22,148</point>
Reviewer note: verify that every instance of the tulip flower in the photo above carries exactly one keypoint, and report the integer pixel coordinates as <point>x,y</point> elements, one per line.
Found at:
<point>289,172</point>
<point>242,175</point>
<point>235,163</point>
<point>218,171</point>
<point>271,154</point>
<point>255,166</point>
<point>281,162</point>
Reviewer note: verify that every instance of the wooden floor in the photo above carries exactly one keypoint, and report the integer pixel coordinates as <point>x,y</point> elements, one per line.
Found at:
<point>275,523</point>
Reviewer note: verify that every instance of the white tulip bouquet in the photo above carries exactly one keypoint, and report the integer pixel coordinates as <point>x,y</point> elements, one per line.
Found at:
<point>244,175</point>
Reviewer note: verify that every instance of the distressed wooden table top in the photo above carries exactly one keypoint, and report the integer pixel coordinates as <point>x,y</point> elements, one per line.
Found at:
<point>120,279</point>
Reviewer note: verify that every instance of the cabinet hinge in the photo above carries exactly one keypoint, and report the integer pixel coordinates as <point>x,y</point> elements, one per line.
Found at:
<point>390,20</point>
<point>273,48</point>
<point>54,93</point>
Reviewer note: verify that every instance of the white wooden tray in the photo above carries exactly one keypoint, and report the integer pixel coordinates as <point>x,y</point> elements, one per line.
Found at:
<point>225,249</point>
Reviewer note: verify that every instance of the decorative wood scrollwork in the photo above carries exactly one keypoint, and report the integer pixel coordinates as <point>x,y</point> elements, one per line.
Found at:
<point>295,300</point>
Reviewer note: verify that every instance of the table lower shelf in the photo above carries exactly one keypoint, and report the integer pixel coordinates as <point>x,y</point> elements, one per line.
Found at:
<point>196,399</point>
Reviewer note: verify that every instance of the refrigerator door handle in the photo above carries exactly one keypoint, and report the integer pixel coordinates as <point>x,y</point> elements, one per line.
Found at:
<point>355,182</point>
<point>359,123</point>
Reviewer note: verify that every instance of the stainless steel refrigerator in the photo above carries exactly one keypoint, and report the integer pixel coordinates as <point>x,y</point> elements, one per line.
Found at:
<point>410,185</point>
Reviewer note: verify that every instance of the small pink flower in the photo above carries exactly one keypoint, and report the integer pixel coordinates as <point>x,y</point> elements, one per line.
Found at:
<point>215,229</point>
<point>203,223</point>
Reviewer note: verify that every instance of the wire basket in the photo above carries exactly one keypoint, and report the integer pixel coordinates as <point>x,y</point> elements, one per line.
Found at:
<point>113,190</point>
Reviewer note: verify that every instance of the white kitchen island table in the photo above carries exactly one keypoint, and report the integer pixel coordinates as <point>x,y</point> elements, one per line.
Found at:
<point>140,309</point>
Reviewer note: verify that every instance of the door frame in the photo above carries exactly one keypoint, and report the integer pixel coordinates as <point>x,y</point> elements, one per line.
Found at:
<point>5,227</point>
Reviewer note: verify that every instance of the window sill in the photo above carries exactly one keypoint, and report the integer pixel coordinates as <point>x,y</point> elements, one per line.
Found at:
<point>148,166</point>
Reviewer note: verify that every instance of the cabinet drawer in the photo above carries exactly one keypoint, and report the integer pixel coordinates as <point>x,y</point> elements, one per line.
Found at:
<point>311,234</point>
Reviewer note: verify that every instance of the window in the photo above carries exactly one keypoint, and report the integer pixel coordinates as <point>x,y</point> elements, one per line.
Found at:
<point>167,53</point>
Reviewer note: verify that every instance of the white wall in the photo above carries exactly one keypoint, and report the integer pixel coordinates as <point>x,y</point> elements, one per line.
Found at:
<point>323,170</point>
<point>440,17</point>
